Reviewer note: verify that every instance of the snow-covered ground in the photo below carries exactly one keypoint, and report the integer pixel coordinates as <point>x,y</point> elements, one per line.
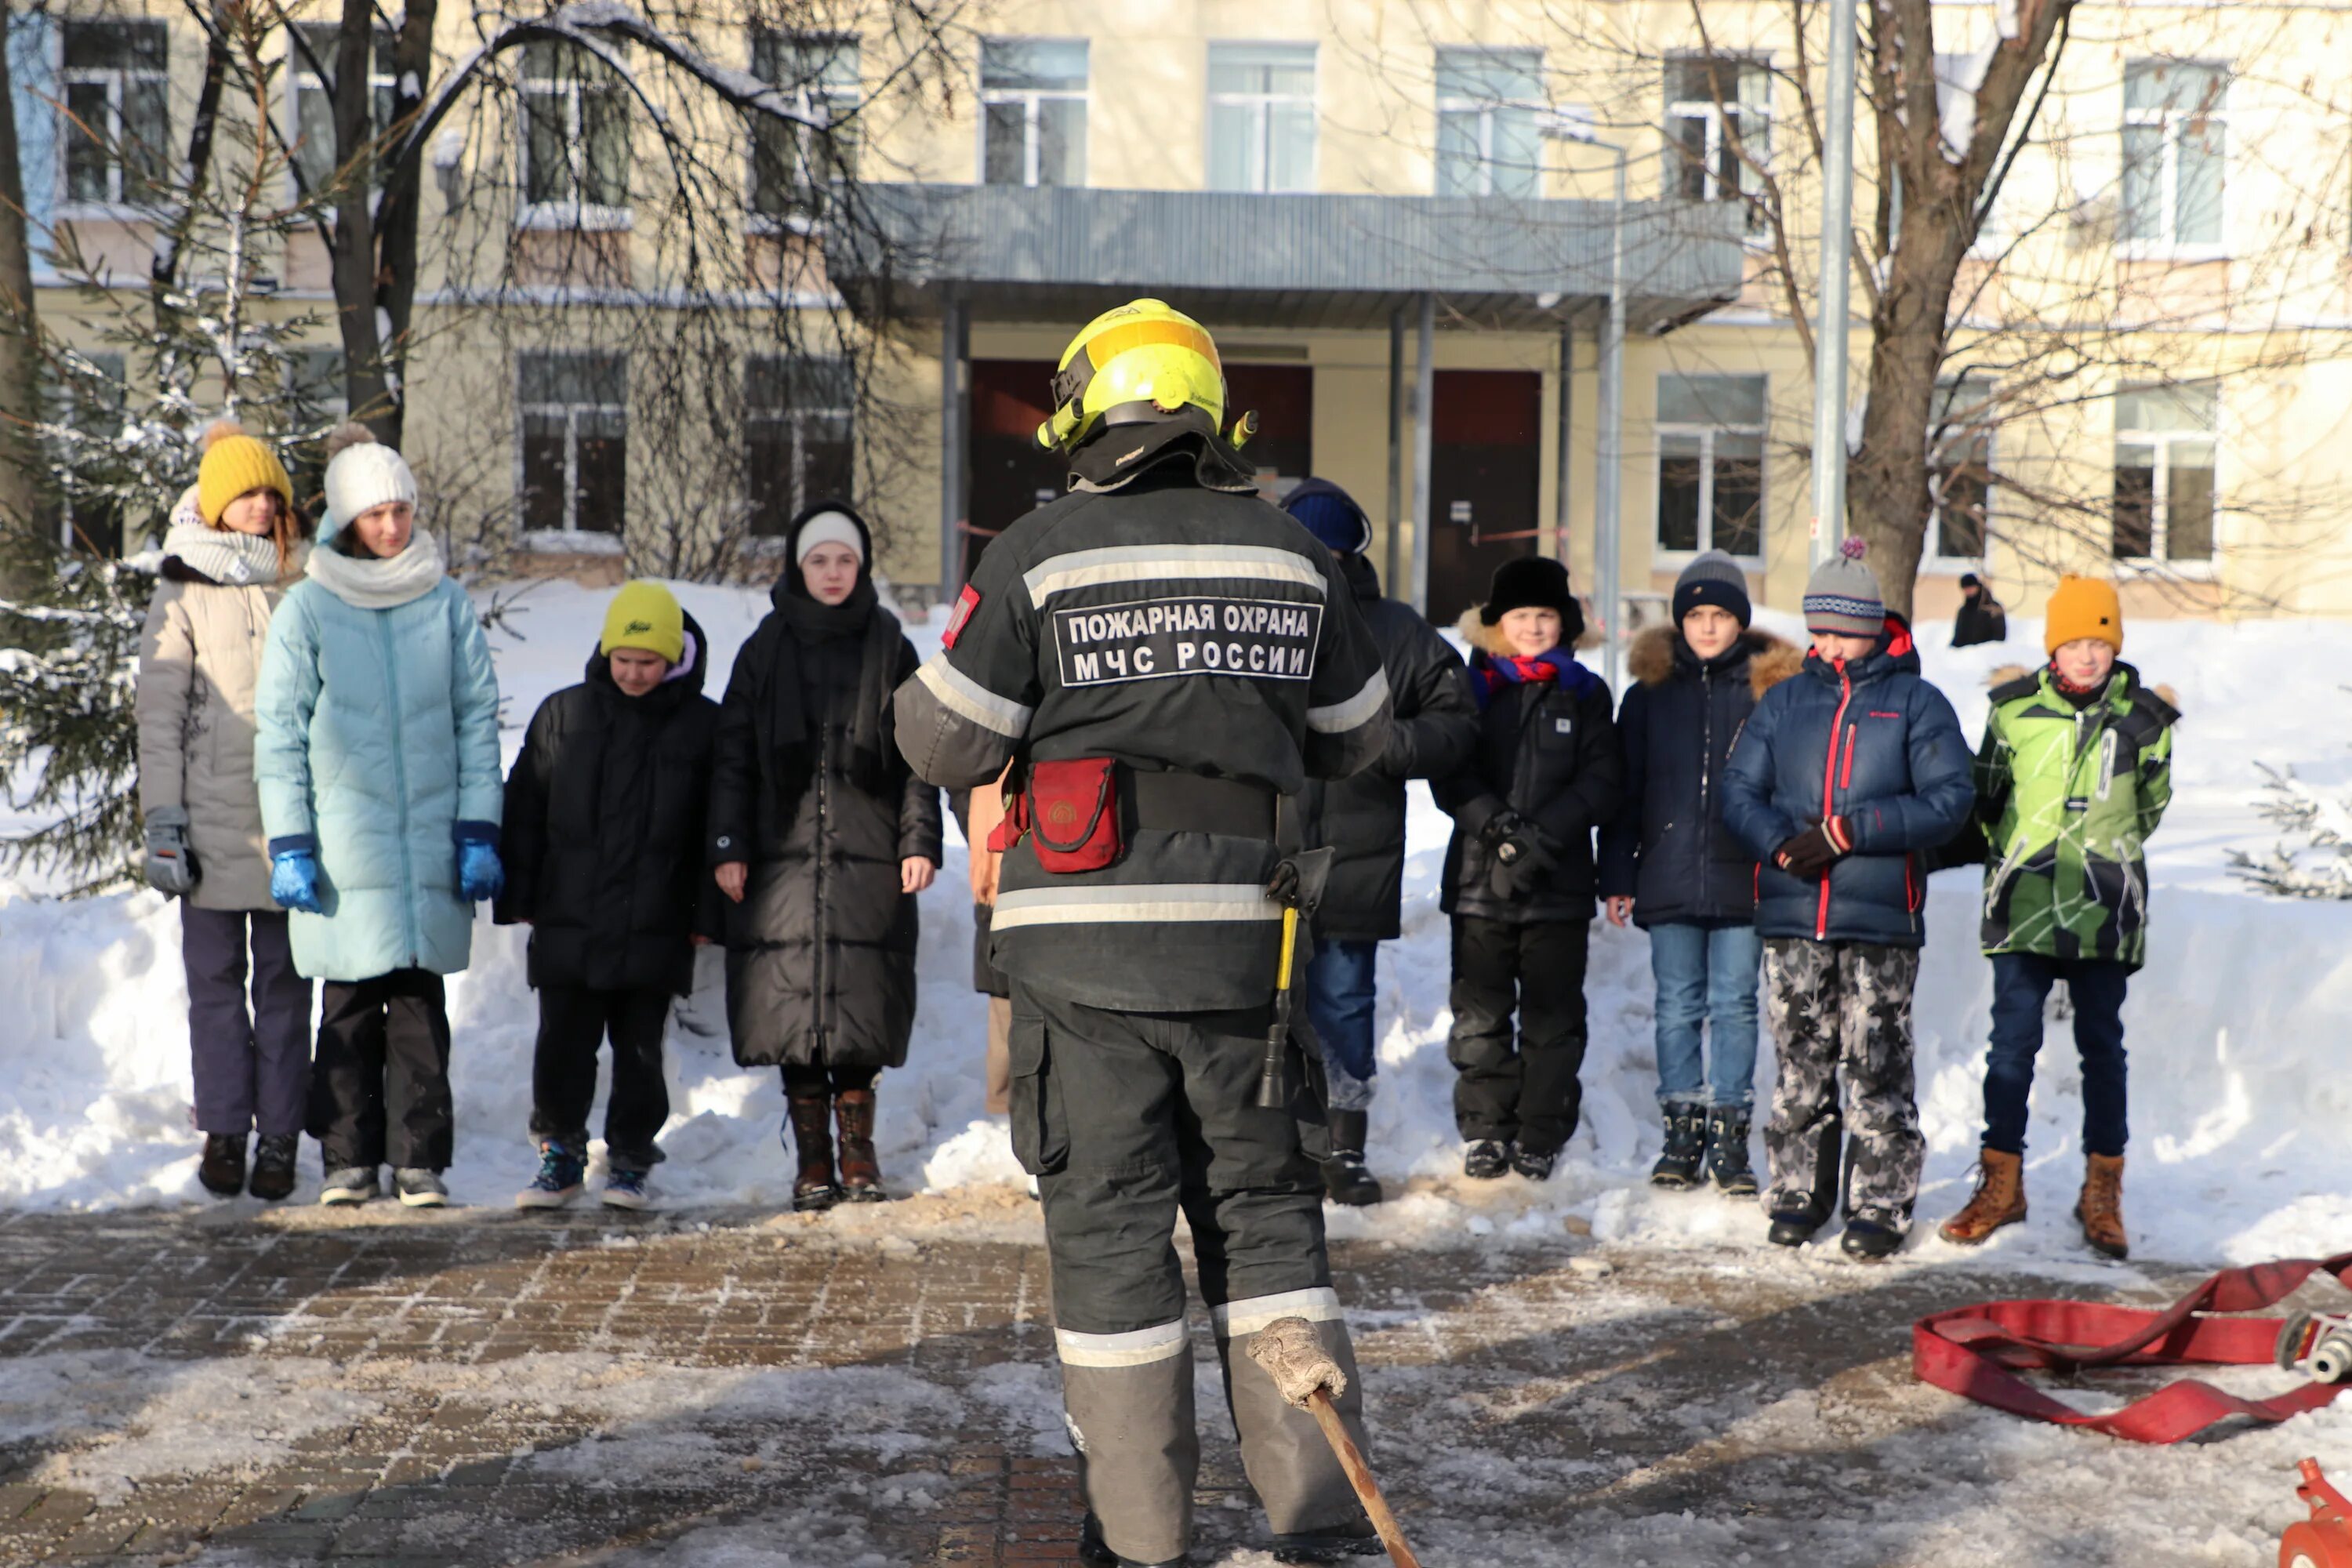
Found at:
<point>2237,1099</point>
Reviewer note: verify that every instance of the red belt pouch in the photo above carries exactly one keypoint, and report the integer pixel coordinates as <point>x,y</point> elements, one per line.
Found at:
<point>1073,816</point>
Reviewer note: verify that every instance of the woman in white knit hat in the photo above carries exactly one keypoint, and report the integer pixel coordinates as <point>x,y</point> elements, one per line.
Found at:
<point>380,794</point>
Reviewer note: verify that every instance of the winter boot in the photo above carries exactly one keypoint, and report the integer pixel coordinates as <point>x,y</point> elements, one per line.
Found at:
<point>861,1174</point>
<point>1869,1241</point>
<point>1793,1223</point>
<point>1535,1167</point>
<point>627,1190</point>
<point>273,1166</point>
<point>1486,1159</point>
<point>1726,1153</point>
<point>419,1188</point>
<point>1794,1226</point>
<point>2101,1206</point>
<point>1340,1543</point>
<point>222,1170</point>
<point>347,1185</point>
<point>1677,1168</point>
<point>1345,1177</point>
<point>1999,1199</point>
<point>811,1125</point>
<point>1095,1553</point>
<point>561,1169</point>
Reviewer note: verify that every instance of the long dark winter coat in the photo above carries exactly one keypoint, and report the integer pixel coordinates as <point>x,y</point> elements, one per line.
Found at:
<point>1433,724</point>
<point>604,832</point>
<point>811,790</point>
<point>1669,849</point>
<point>1548,751</point>
<point>1875,744</point>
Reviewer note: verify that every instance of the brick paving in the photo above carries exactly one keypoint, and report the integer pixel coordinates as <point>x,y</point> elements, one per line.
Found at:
<point>480,1387</point>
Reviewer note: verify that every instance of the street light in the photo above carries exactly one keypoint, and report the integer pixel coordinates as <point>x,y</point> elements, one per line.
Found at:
<point>1829,324</point>
<point>1608,481</point>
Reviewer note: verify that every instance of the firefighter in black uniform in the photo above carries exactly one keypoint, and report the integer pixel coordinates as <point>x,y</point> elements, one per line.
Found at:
<point>1161,654</point>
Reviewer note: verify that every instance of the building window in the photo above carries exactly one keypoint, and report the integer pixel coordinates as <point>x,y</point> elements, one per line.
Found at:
<point>574,409</point>
<point>2164,472</point>
<point>119,139</point>
<point>1711,464</point>
<point>1718,109</point>
<point>2175,145</point>
<point>797,430</point>
<point>1034,95</point>
<point>1960,467</point>
<point>575,152</point>
<point>792,163</point>
<point>1487,143</point>
<point>1262,117</point>
<point>314,102</point>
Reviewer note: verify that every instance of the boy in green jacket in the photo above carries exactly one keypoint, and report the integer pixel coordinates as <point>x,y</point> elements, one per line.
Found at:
<point>2074,773</point>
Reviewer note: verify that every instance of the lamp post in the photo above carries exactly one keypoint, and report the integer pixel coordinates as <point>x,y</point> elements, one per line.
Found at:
<point>1829,322</point>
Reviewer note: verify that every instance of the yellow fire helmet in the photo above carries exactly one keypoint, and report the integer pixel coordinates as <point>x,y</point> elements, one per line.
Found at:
<point>1143,363</point>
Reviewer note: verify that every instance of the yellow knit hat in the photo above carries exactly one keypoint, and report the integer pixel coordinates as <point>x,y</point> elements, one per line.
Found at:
<point>234,463</point>
<point>2084,607</point>
<point>645,615</point>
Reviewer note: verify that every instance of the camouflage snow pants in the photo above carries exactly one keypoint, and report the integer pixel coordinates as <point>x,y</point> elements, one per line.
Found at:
<point>1841,1014</point>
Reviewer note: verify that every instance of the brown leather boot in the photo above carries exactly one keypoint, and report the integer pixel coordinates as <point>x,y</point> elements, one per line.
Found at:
<point>815,1187</point>
<point>2101,1206</point>
<point>861,1174</point>
<point>1999,1199</point>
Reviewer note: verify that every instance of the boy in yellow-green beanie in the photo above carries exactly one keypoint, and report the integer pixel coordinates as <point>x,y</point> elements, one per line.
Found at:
<point>605,860</point>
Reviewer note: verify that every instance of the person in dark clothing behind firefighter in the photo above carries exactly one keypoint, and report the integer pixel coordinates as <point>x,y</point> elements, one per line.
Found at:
<point>1518,880</point>
<point>821,838</point>
<point>1980,619</point>
<point>1362,819</point>
<point>1166,654</point>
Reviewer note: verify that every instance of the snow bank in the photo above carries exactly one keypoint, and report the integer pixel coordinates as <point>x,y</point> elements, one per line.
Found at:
<point>2237,1102</point>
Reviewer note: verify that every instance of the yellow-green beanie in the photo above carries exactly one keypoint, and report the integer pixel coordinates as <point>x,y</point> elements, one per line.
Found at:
<point>234,463</point>
<point>645,615</point>
<point>2082,607</point>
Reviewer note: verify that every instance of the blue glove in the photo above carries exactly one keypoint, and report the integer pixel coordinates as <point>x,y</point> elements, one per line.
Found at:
<point>294,879</point>
<point>481,875</point>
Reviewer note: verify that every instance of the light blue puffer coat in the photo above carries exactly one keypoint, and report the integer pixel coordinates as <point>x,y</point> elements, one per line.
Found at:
<point>378,732</point>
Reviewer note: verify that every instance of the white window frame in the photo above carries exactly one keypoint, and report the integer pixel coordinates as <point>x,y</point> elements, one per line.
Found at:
<point>1948,392</point>
<point>1711,113</point>
<point>796,420</point>
<point>1706,435</point>
<point>2160,525</point>
<point>832,103</point>
<point>2171,124</point>
<point>1030,99</point>
<point>589,218</point>
<point>1260,107</point>
<point>115,204</point>
<point>570,536</point>
<point>1486,109</point>
<point>300,79</point>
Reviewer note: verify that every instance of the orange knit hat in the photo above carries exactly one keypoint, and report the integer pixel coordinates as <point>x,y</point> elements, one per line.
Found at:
<point>2084,607</point>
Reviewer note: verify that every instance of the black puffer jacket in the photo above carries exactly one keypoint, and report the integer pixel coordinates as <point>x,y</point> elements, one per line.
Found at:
<point>811,790</point>
<point>1433,724</point>
<point>1548,751</point>
<point>603,829</point>
<point>1668,850</point>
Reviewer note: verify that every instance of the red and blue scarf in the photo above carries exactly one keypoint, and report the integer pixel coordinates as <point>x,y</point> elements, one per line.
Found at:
<point>1490,673</point>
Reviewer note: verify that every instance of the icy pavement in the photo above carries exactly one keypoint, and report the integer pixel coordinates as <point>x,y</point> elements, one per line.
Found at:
<point>732,1389</point>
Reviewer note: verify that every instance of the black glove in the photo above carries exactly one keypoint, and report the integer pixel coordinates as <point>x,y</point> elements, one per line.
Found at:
<point>1522,858</point>
<point>1812,853</point>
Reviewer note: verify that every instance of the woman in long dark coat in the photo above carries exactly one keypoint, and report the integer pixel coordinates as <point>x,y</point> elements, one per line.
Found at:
<point>822,837</point>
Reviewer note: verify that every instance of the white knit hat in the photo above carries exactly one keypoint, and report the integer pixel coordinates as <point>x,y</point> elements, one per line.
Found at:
<point>829,527</point>
<point>362,476</point>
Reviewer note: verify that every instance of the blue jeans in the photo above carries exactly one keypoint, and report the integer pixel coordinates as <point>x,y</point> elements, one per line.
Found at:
<point>1341,988</point>
<point>1705,975</point>
<point>2020,984</point>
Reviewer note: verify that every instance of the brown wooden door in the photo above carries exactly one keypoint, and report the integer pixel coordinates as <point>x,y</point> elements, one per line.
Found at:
<point>1484,483</point>
<point>1011,476</point>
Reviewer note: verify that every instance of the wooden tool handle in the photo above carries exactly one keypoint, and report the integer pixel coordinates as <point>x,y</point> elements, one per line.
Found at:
<point>1360,1476</point>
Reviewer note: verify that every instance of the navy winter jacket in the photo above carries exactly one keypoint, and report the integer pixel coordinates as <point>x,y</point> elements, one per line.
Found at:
<point>1873,744</point>
<point>1669,850</point>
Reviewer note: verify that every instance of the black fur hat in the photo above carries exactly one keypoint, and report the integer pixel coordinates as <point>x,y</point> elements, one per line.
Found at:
<point>1533,582</point>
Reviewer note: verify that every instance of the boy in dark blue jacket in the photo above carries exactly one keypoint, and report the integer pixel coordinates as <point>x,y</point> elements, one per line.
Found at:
<point>1849,771</point>
<point>1518,874</point>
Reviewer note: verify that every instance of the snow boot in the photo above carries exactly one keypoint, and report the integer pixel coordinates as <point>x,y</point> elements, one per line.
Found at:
<point>222,1170</point>
<point>861,1172</point>
<point>1794,1224</point>
<point>1726,1153</point>
<point>1870,1241</point>
<point>1677,1167</point>
<point>1794,1228</point>
<point>561,1170</point>
<point>1999,1199</point>
<point>1337,1545</point>
<point>1486,1159</point>
<point>348,1184</point>
<point>1535,1167</point>
<point>627,1190</point>
<point>1095,1552</point>
<point>273,1166</point>
<point>420,1188</point>
<point>2101,1206</point>
<point>1346,1179</point>
<point>811,1128</point>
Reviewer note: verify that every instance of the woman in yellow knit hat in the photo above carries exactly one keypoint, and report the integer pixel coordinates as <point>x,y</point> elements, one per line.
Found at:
<point>233,542</point>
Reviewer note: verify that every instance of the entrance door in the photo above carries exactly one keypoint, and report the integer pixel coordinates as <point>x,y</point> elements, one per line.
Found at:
<point>1011,476</point>
<point>1485,480</point>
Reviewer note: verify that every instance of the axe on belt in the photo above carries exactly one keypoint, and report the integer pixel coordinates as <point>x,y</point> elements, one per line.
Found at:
<point>1305,1375</point>
<point>1297,886</point>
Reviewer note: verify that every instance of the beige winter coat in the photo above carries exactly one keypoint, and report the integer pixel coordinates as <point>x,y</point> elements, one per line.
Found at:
<point>197,665</point>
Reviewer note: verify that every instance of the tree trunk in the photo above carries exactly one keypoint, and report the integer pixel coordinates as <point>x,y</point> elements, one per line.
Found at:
<point>395,274</point>
<point>20,349</point>
<point>352,252</point>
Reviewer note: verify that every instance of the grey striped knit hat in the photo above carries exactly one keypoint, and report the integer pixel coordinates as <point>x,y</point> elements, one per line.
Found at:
<point>1842,595</point>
